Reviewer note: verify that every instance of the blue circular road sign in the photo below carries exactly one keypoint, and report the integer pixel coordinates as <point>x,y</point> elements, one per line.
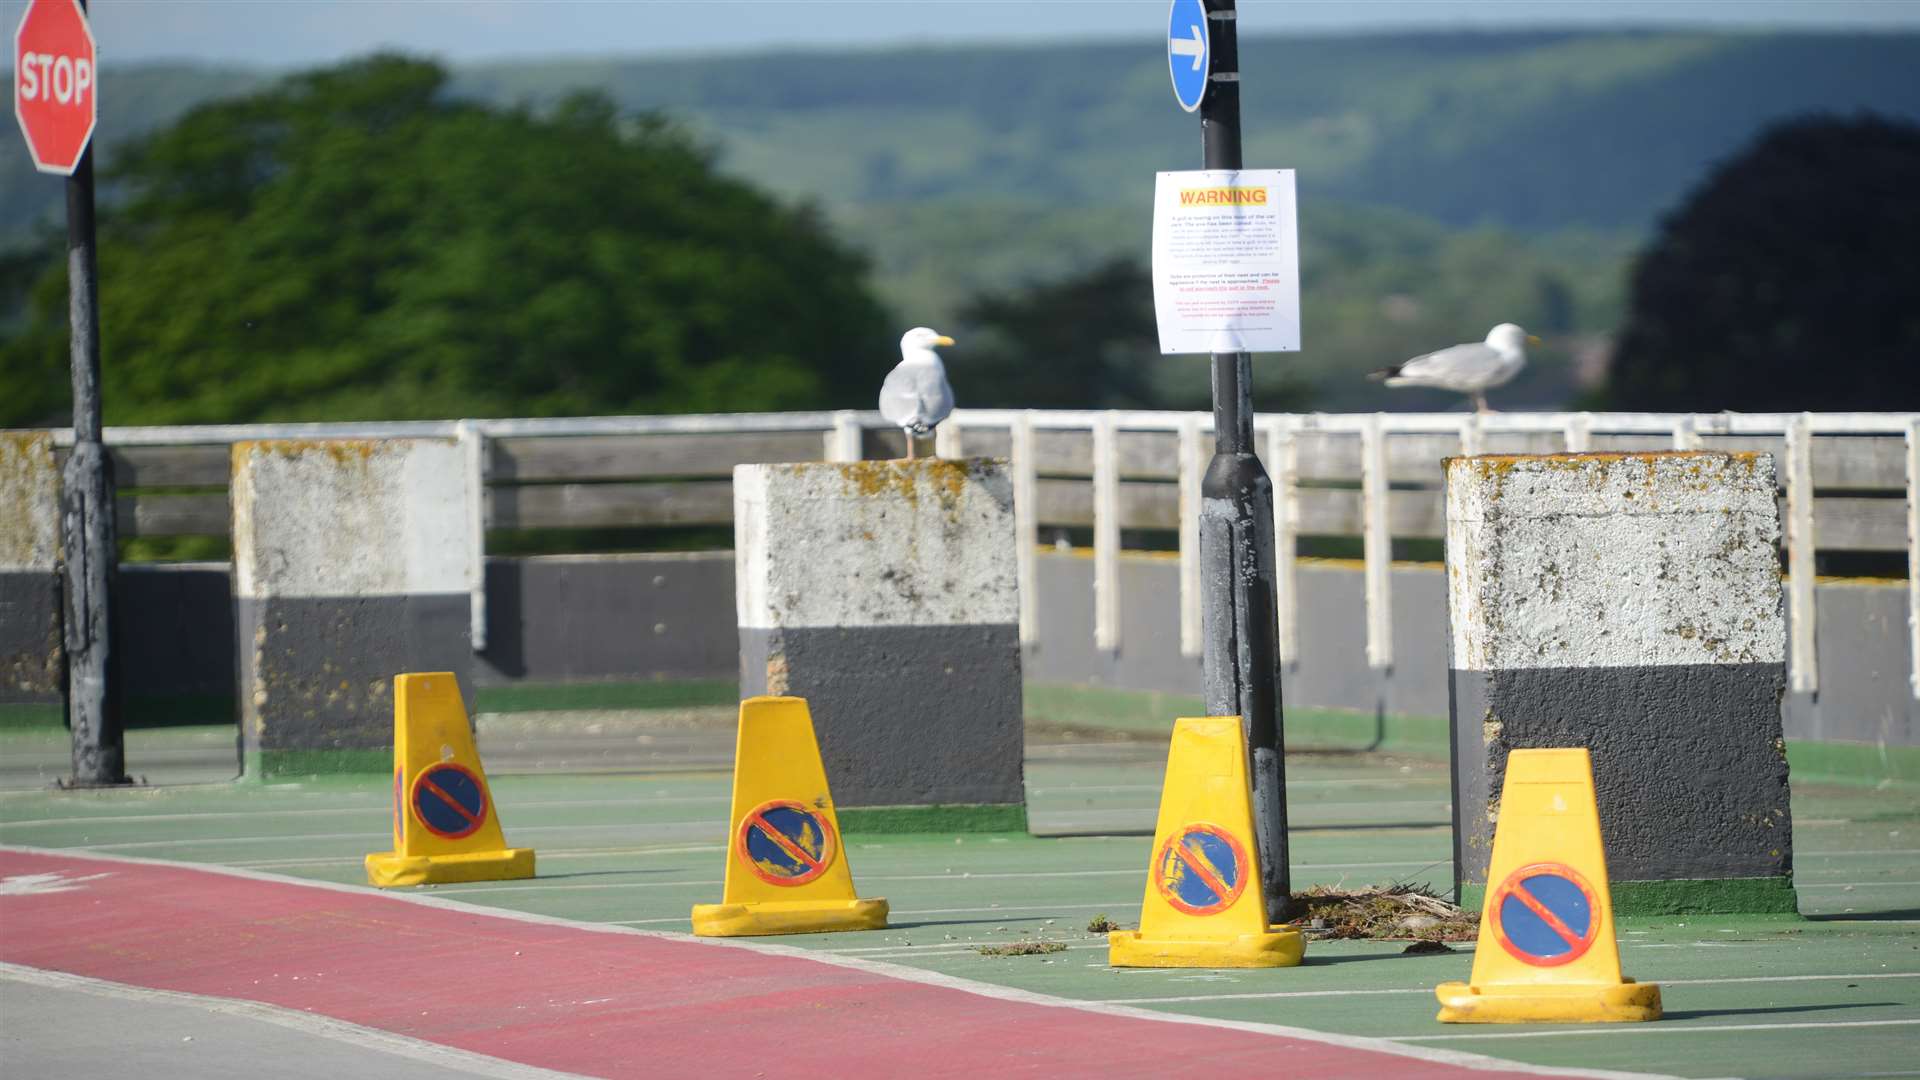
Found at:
<point>785,843</point>
<point>1202,870</point>
<point>450,801</point>
<point>1545,915</point>
<point>1189,51</point>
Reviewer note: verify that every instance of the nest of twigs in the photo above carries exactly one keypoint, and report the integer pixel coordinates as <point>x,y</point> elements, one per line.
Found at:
<point>1383,912</point>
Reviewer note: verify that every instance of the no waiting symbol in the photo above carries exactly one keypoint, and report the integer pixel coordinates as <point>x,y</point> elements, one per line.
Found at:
<point>1545,915</point>
<point>450,801</point>
<point>785,843</point>
<point>1201,870</point>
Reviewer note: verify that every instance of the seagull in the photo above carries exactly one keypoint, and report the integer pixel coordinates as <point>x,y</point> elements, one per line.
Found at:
<point>1473,368</point>
<point>916,397</point>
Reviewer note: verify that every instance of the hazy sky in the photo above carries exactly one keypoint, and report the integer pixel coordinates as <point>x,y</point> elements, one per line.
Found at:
<point>283,32</point>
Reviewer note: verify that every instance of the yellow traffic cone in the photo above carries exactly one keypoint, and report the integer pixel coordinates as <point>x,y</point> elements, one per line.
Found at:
<point>787,868</point>
<point>1205,906</point>
<point>444,825</point>
<point>1547,951</point>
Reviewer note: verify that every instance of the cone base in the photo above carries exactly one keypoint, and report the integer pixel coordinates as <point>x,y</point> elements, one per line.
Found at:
<point>1626,1002</point>
<point>788,917</point>
<point>390,870</point>
<point>1276,948</point>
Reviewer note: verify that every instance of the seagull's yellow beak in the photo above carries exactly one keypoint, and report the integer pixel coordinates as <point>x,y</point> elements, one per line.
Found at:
<point>1532,340</point>
<point>943,340</point>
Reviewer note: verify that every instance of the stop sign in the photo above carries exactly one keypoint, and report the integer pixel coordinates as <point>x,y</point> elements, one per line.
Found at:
<point>54,81</point>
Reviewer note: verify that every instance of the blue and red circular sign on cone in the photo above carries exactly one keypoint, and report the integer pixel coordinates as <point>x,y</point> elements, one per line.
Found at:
<point>786,843</point>
<point>1202,870</point>
<point>1545,915</point>
<point>449,800</point>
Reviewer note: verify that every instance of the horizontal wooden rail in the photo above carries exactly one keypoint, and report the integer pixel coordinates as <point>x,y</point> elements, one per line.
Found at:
<point>1849,481</point>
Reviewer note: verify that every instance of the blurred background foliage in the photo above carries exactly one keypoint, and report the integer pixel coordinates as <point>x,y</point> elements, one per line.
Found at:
<point>389,239</point>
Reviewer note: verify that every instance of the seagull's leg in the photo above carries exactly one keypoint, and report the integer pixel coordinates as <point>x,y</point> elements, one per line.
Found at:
<point>1480,402</point>
<point>908,432</point>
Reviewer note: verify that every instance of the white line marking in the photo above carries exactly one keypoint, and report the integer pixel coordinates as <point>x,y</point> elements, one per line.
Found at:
<point>1041,909</point>
<point>1130,871</point>
<point>373,837</point>
<point>309,1023</point>
<point>546,855</point>
<point>1849,884</point>
<point>371,809</point>
<point>1660,1029</point>
<point>1429,989</point>
<point>951,948</point>
<point>41,884</point>
<point>1401,782</point>
<point>881,968</point>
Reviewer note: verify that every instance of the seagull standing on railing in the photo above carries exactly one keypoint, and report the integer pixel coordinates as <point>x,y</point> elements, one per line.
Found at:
<point>916,397</point>
<point>1473,368</point>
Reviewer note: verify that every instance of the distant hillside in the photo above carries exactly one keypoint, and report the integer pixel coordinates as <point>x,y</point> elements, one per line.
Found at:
<point>1448,181</point>
<point>1536,131</point>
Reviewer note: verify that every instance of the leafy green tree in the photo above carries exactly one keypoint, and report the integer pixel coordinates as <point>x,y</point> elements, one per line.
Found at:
<point>1786,281</point>
<point>1082,341</point>
<point>356,243</point>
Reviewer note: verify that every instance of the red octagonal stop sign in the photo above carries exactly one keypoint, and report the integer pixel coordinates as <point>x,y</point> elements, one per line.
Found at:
<point>54,83</point>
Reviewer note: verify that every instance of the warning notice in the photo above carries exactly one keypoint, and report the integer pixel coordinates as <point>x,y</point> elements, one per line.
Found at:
<point>1226,261</point>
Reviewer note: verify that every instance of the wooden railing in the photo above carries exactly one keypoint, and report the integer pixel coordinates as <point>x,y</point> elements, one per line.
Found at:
<point>1848,481</point>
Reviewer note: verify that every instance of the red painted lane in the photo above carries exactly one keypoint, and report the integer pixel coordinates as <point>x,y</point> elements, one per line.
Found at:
<point>575,999</point>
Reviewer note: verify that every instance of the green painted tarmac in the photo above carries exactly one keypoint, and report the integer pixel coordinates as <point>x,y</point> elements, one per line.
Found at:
<point>628,820</point>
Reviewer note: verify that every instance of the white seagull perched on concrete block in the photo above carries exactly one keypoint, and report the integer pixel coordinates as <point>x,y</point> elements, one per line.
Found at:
<point>1473,368</point>
<point>916,397</point>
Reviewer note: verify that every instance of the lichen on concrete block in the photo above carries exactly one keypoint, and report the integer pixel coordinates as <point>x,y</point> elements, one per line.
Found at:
<point>350,567</point>
<point>1629,603</point>
<point>32,662</point>
<point>886,593</point>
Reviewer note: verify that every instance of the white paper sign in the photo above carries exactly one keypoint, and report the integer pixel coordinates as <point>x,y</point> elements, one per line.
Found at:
<point>1226,261</point>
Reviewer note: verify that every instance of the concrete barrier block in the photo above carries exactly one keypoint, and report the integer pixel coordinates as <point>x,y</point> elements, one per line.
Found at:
<point>350,567</point>
<point>1631,604</point>
<point>886,594</point>
<point>32,657</point>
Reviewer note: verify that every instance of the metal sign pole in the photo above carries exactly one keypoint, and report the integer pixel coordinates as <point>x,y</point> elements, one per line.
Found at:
<point>86,517</point>
<point>1242,665</point>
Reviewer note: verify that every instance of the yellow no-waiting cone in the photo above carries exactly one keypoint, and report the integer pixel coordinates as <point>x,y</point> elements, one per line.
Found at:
<point>1205,907</point>
<point>444,825</point>
<point>787,867</point>
<point>1547,953</point>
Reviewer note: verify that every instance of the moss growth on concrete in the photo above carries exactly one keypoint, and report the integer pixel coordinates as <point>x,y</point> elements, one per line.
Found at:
<point>948,818</point>
<point>271,765</point>
<point>1686,896</point>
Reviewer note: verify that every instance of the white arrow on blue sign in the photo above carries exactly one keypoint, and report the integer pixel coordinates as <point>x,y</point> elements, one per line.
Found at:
<point>1188,51</point>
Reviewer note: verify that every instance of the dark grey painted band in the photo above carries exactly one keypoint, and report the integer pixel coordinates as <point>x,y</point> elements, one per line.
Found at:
<point>906,715</point>
<point>316,673</point>
<point>1689,767</point>
<point>182,641</point>
<point>31,654</point>
<point>609,617</point>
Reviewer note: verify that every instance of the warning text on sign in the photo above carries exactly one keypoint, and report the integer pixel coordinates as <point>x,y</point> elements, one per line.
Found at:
<point>1226,269</point>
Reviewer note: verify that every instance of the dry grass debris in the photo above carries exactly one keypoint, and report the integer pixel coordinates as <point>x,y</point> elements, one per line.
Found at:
<point>1383,912</point>
<point>1021,948</point>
